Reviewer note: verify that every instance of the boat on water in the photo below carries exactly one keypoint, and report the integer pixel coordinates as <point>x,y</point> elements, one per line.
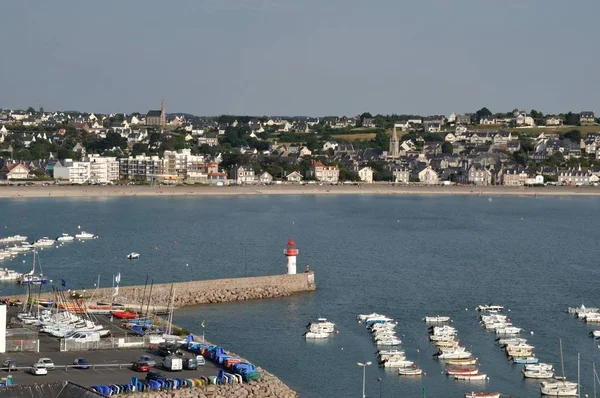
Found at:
<point>478,376</point>
<point>524,360</point>
<point>503,342</point>
<point>44,242</point>
<point>461,362</point>
<point>497,308</point>
<point>437,319</point>
<point>389,342</point>
<point>456,354</point>
<point>13,239</point>
<point>65,238</point>
<point>9,275</point>
<point>410,371</point>
<point>559,391</point>
<point>22,248</point>
<point>482,395</point>
<point>133,255</point>
<point>537,374</point>
<point>508,330</point>
<point>363,317</point>
<point>473,371</point>
<point>85,235</point>
<point>322,325</point>
<point>31,278</point>
<point>559,386</point>
<point>316,335</point>
<point>539,366</point>
<point>398,364</point>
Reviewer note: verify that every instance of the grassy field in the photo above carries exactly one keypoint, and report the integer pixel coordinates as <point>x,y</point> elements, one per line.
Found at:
<point>354,137</point>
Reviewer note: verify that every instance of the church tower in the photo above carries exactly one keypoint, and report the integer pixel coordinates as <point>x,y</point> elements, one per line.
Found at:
<point>394,144</point>
<point>163,115</point>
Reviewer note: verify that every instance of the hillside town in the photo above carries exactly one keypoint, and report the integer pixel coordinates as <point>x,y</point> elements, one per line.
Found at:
<point>516,148</point>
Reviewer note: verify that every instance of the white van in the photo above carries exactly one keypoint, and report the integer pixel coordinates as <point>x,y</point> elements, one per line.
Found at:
<point>172,363</point>
<point>83,337</point>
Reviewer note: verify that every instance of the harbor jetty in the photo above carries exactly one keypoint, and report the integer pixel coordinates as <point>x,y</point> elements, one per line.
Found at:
<point>215,290</point>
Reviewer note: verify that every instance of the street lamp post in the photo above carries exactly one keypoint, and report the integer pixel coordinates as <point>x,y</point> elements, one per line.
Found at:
<point>364,366</point>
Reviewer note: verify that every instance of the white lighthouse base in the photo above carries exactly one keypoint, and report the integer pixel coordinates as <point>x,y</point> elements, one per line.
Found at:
<point>291,265</point>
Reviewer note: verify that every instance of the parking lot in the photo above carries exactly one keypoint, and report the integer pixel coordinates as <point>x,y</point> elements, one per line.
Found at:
<point>106,366</point>
<point>99,372</point>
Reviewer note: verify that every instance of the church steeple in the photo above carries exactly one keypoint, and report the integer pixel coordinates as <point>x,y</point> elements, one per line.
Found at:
<point>163,115</point>
<point>394,144</point>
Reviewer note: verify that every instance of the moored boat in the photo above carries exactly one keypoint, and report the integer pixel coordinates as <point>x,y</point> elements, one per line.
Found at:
<point>461,362</point>
<point>437,319</point>
<point>133,255</point>
<point>478,376</point>
<point>538,374</point>
<point>473,371</point>
<point>124,314</point>
<point>85,235</point>
<point>410,371</point>
<point>44,242</point>
<point>316,335</point>
<point>524,360</point>
<point>65,238</point>
<point>482,395</point>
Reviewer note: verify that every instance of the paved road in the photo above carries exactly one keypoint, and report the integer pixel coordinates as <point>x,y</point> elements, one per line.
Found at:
<point>99,375</point>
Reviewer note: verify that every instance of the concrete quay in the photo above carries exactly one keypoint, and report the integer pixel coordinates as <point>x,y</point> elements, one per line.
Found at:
<point>215,290</point>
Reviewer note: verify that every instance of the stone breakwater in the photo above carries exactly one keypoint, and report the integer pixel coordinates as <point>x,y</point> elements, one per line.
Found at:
<point>215,290</point>
<point>268,387</point>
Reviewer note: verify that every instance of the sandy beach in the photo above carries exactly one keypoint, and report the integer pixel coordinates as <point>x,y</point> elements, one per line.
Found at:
<point>365,189</point>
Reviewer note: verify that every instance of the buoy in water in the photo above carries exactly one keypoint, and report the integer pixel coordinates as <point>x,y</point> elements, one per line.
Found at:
<point>337,332</point>
<point>532,332</point>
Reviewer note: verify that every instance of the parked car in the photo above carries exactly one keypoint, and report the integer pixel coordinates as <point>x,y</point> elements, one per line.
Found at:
<point>190,363</point>
<point>154,375</point>
<point>9,364</point>
<point>38,369</point>
<point>148,359</point>
<point>140,367</point>
<point>200,360</point>
<point>46,362</point>
<point>81,363</point>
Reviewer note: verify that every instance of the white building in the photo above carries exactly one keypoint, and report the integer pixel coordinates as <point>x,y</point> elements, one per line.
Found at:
<point>74,172</point>
<point>366,175</point>
<point>102,169</point>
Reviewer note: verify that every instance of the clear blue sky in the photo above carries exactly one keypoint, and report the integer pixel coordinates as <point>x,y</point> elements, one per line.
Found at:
<point>301,57</point>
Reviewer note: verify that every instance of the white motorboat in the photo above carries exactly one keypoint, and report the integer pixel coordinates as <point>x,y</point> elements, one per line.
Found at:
<point>595,333</point>
<point>364,317</point>
<point>509,330</point>
<point>389,342</point>
<point>133,255</point>
<point>511,341</point>
<point>444,337</point>
<point>398,364</point>
<point>441,330</point>
<point>537,374</point>
<point>437,319</point>
<point>478,376</point>
<point>493,318</point>
<point>44,242</point>
<point>497,308</point>
<point>447,343</point>
<point>85,235</point>
<point>482,395</point>
<point>461,362</point>
<point>65,238</point>
<point>321,326</point>
<point>9,275</point>
<point>22,248</point>
<point>410,371</point>
<point>13,239</point>
<point>455,355</point>
<point>592,318</point>
<point>313,335</point>
<point>559,391</point>
<point>539,366</point>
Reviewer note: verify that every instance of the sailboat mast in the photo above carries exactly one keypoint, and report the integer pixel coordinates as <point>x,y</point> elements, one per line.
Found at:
<point>562,365</point>
<point>149,296</point>
<point>144,295</point>
<point>578,377</point>
<point>594,370</point>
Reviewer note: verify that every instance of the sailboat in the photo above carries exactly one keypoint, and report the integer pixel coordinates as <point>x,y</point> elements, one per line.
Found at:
<point>31,277</point>
<point>560,387</point>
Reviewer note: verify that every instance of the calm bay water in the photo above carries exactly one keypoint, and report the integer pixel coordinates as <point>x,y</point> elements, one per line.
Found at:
<point>406,257</point>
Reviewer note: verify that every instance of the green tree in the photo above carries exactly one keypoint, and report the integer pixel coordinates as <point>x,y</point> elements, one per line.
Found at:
<point>22,154</point>
<point>312,143</point>
<point>527,144</point>
<point>447,147</point>
<point>573,135</point>
<point>30,110</point>
<point>571,119</point>
<point>381,140</point>
<point>139,149</point>
<point>483,112</point>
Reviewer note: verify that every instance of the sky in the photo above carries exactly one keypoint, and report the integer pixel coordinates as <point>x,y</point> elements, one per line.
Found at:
<point>300,57</point>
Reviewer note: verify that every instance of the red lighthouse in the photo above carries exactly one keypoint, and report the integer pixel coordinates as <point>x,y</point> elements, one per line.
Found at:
<point>291,253</point>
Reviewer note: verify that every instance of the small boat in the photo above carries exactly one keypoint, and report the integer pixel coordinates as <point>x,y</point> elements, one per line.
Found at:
<point>398,364</point>
<point>595,333</point>
<point>321,326</point>
<point>44,242</point>
<point>133,255</point>
<point>65,238</point>
<point>511,341</point>
<point>539,366</point>
<point>455,355</point>
<point>473,371</point>
<point>482,395</point>
<point>389,342</point>
<point>364,317</point>
<point>316,335</point>
<point>29,279</point>
<point>85,235</point>
<point>410,372</point>
<point>447,343</point>
<point>124,314</point>
<point>13,239</point>
<point>461,362</point>
<point>497,308</point>
<point>508,330</point>
<point>479,376</point>
<point>437,319</point>
<point>524,360</point>
<point>559,391</point>
<point>537,374</point>
<point>9,275</point>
